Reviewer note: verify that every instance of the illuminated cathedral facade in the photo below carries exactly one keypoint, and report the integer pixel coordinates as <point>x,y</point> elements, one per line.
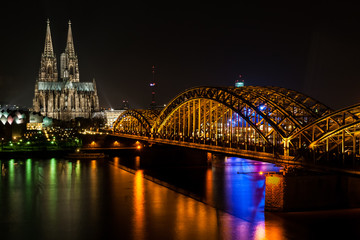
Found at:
<point>59,94</point>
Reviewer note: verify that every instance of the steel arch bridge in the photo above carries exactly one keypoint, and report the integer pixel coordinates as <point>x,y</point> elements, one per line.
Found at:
<point>255,119</point>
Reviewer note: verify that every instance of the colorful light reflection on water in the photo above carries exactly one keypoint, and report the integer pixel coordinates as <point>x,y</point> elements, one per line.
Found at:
<point>62,199</point>
<point>244,187</point>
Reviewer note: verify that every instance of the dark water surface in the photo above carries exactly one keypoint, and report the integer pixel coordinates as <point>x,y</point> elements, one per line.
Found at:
<point>97,199</point>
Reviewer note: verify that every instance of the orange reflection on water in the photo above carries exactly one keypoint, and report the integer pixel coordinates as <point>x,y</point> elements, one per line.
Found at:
<point>190,208</point>
<point>205,218</point>
<point>274,230</point>
<point>180,212</point>
<point>116,161</point>
<point>139,205</point>
<point>93,164</point>
<point>189,212</point>
<point>209,185</point>
<point>94,191</point>
<point>157,194</point>
<point>137,162</point>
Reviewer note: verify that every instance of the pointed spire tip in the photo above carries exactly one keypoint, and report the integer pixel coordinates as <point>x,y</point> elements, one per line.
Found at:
<point>48,49</point>
<point>70,44</point>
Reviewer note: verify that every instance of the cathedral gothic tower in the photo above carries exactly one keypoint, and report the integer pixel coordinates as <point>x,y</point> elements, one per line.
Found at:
<point>68,60</point>
<point>48,68</point>
<point>63,97</point>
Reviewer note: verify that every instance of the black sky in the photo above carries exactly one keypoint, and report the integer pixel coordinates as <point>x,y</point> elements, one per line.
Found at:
<point>312,47</point>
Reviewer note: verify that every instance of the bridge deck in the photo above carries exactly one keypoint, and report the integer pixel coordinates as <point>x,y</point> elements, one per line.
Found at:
<point>268,157</point>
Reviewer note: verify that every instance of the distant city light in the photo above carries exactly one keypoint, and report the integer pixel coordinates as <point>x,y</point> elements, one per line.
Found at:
<point>239,84</point>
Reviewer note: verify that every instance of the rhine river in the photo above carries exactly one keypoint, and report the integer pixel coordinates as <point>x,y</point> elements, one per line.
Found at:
<point>115,199</point>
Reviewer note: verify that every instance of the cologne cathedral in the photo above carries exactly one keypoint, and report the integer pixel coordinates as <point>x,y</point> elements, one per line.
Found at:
<point>60,94</point>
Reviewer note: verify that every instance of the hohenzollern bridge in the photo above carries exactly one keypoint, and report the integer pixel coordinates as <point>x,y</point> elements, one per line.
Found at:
<point>249,121</point>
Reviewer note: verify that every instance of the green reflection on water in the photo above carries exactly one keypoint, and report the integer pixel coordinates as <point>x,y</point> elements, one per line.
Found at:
<point>28,171</point>
<point>11,172</point>
<point>29,186</point>
<point>52,189</point>
<point>52,172</point>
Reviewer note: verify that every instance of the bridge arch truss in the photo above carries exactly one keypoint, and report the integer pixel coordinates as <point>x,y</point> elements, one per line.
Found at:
<point>334,133</point>
<point>250,118</point>
<point>136,122</point>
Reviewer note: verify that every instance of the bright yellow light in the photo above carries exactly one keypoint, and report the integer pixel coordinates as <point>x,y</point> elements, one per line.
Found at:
<point>274,180</point>
<point>261,173</point>
<point>138,147</point>
<point>93,164</point>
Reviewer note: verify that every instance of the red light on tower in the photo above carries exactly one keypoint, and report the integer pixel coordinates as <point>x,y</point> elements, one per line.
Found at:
<point>240,82</point>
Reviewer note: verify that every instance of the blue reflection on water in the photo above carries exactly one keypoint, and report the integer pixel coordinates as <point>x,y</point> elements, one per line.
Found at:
<point>244,187</point>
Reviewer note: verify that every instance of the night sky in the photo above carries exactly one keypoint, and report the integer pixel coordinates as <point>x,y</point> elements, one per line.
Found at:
<point>313,48</point>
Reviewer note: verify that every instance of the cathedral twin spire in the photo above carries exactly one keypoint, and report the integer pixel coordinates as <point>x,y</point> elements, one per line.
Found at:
<point>49,50</point>
<point>69,70</point>
<point>59,93</point>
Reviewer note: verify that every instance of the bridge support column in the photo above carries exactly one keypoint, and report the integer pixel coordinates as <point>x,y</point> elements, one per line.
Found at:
<point>305,191</point>
<point>274,192</point>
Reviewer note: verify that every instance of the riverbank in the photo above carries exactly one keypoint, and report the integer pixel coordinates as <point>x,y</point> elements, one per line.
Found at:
<point>34,153</point>
<point>61,153</point>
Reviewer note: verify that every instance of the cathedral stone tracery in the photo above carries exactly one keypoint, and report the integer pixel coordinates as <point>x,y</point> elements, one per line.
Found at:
<point>63,97</point>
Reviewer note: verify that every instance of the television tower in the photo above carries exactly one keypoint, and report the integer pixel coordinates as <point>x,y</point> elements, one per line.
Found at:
<point>153,86</point>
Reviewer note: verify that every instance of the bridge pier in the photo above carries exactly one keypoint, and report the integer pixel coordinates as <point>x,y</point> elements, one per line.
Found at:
<point>302,191</point>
